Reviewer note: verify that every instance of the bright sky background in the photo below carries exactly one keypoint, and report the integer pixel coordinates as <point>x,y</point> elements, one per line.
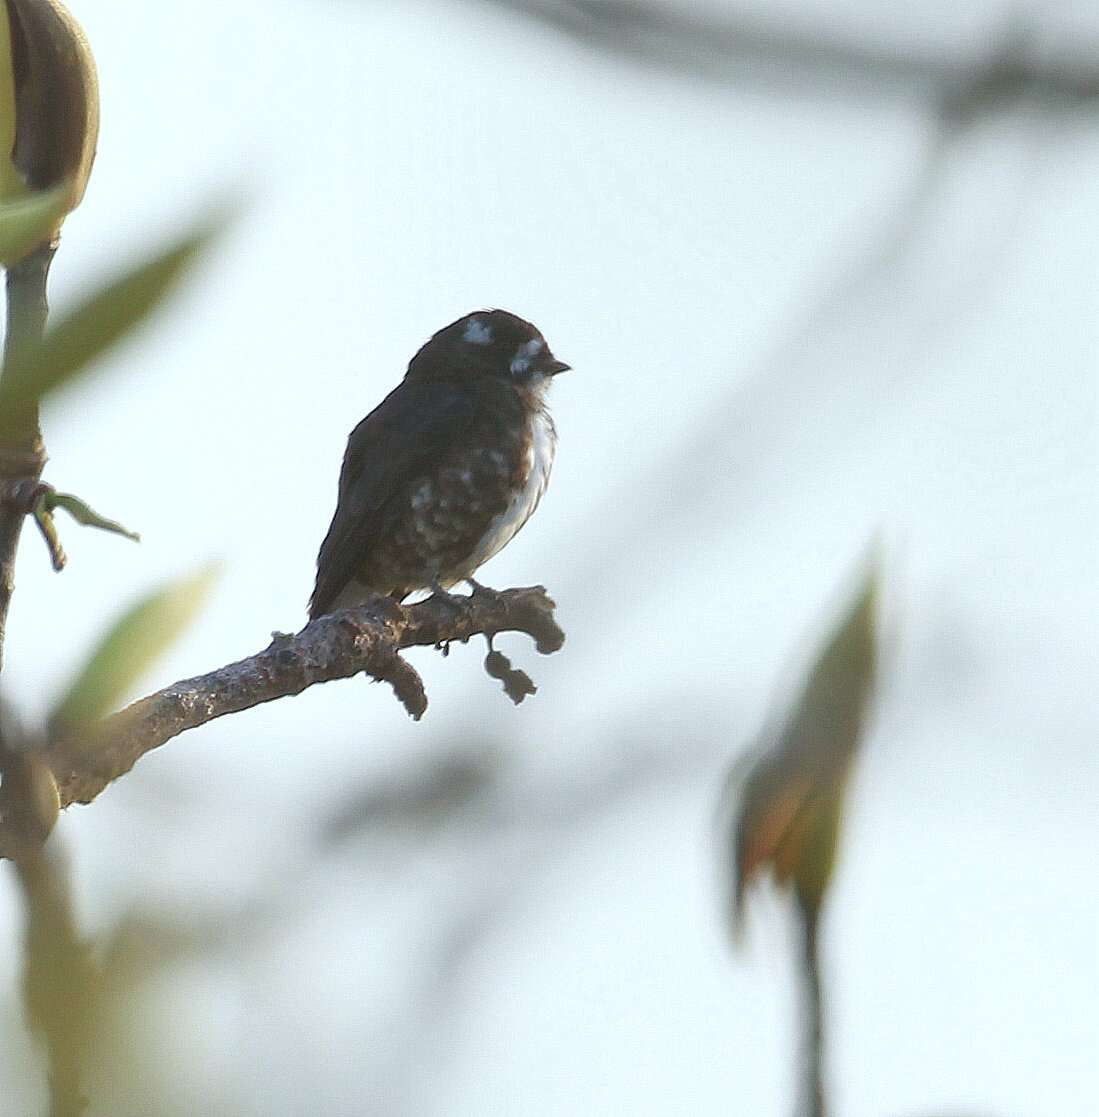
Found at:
<point>743,417</point>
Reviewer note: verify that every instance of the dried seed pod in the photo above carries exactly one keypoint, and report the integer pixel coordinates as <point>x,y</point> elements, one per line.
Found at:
<point>51,114</point>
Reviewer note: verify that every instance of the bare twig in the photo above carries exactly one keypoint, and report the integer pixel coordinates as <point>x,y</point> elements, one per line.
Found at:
<point>364,640</point>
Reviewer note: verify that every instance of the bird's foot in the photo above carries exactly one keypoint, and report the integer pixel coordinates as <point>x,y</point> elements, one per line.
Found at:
<point>480,590</point>
<point>455,600</point>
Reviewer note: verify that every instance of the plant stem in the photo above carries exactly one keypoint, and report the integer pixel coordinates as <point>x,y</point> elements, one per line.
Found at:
<point>813,1099</point>
<point>23,456</point>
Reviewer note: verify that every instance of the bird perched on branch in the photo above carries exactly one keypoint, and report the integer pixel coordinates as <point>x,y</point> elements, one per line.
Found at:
<point>443,473</point>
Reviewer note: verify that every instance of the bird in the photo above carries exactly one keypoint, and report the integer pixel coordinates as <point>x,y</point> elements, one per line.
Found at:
<point>441,475</point>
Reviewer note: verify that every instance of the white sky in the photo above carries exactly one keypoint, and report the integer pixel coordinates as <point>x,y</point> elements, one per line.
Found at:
<point>680,245</point>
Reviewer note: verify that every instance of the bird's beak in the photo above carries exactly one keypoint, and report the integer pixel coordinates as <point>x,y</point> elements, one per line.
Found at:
<point>552,368</point>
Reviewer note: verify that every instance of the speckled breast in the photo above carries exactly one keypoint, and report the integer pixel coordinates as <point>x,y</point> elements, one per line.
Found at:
<point>457,516</point>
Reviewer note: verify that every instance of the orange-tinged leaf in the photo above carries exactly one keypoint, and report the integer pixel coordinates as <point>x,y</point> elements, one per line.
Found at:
<point>770,831</point>
<point>790,803</point>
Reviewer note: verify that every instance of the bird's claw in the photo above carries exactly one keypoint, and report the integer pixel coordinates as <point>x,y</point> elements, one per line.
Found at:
<point>480,590</point>
<point>454,600</point>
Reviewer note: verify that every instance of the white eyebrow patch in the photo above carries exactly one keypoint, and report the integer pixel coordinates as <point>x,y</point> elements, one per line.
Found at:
<point>478,332</point>
<point>525,354</point>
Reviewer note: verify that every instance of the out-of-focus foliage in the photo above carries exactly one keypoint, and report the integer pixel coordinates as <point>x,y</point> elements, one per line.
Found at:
<point>60,980</point>
<point>29,801</point>
<point>128,649</point>
<point>29,220</point>
<point>87,333</point>
<point>788,807</point>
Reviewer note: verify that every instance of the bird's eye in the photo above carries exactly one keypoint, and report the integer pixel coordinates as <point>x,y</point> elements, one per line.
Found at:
<point>525,354</point>
<point>477,332</point>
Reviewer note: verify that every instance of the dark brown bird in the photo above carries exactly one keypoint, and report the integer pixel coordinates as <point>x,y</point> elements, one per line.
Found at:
<point>443,473</point>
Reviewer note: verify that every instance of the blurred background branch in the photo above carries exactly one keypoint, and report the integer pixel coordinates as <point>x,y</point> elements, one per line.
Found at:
<point>879,286</point>
<point>790,58</point>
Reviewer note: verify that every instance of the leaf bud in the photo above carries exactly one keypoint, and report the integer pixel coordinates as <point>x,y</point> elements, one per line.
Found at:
<point>49,108</point>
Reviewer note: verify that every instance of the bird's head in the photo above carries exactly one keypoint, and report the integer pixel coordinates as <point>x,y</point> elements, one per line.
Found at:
<point>491,343</point>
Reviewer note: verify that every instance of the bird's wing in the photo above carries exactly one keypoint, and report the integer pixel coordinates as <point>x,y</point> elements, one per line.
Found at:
<point>414,426</point>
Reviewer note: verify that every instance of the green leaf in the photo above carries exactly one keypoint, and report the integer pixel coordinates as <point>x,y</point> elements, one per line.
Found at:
<point>84,514</point>
<point>127,651</point>
<point>29,221</point>
<point>43,517</point>
<point>93,328</point>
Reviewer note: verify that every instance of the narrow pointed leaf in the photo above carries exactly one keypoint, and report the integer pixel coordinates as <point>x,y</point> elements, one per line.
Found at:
<point>43,517</point>
<point>87,516</point>
<point>88,332</point>
<point>128,650</point>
